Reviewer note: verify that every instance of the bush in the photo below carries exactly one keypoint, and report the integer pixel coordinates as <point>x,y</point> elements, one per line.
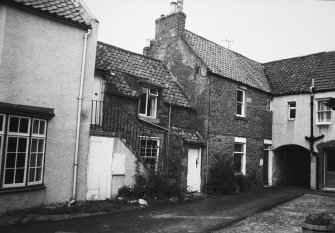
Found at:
<point>223,179</point>
<point>151,186</point>
<point>321,219</point>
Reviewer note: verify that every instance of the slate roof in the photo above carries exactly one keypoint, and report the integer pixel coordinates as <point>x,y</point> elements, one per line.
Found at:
<point>189,136</point>
<point>132,65</point>
<point>68,10</point>
<point>294,75</point>
<point>227,63</point>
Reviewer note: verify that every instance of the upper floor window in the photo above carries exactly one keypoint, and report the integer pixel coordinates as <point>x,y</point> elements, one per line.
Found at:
<point>323,112</point>
<point>240,103</point>
<point>23,148</point>
<point>148,102</point>
<point>149,151</point>
<point>292,110</point>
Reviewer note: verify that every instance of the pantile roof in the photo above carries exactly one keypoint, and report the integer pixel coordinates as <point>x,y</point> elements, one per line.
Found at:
<point>71,10</point>
<point>189,136</point>
<point>294,75</point>
<point>227,63</point>
<point>128,65</point>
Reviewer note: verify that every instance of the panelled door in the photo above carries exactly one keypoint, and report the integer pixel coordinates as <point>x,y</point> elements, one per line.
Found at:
<point>194,170</point>
<point>330,168</point>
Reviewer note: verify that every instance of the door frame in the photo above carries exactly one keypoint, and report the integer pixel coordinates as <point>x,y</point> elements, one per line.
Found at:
<point>199,168</point>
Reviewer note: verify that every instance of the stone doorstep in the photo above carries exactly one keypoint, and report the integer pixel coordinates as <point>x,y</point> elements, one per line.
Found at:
<point>13,220</point>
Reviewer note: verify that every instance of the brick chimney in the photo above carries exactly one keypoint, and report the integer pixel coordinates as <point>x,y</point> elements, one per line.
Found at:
<point>168,29</point>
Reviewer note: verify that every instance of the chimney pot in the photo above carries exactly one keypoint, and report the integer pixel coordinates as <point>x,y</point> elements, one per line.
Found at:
<point>180,6</point>
<point>173,7</point>
<point>162,15</point>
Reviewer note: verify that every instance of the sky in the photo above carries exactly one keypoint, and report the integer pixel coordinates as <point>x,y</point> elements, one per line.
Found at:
<point>262,30</point>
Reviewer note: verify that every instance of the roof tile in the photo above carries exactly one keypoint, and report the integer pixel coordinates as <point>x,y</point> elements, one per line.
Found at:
<point>113,59</point>
<point>58,8</point>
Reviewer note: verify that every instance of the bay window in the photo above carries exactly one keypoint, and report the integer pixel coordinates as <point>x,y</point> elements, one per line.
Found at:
<point>22,150</point>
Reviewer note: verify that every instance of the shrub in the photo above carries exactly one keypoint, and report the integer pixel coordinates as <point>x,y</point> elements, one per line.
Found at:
<point>150,186</point>
<point>223,179</point>
<point>126,191</point>
<point>321,219</point>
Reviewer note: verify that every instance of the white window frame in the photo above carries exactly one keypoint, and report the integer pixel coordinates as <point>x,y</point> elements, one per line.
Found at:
<point>154,106</point>
<point>30,136</point>
<point>17,135</point>
<point>292,108</point>
<point>243,142</point>
<point>328,109</point>
<point>38,137</point>
<point>158,148</point>
<point>268,105</point>
<point>2,136</point>
<point>241,103</point>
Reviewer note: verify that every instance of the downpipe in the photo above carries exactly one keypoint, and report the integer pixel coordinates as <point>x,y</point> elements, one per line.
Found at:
<point>80,103</point>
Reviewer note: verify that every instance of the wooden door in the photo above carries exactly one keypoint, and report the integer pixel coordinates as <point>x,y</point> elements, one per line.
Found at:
<point>266,167</point>
<point>194,170</point>
<point>99,175</point>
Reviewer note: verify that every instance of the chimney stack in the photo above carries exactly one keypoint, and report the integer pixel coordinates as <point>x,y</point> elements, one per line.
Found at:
<point>173,7</point>
<point>180,6</point>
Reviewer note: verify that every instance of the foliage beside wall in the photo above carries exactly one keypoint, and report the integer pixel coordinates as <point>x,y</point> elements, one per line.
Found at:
<point>223,179</point>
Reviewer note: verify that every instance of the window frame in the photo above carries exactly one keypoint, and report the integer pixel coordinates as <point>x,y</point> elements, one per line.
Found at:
<point>30,136</point>
<point>317,112</point>
<point>158,140</point>
<point>243,104</point>
<point>268,105</point>
<point>152,95</point>
<point>243,142</point>
<point>292,108</point>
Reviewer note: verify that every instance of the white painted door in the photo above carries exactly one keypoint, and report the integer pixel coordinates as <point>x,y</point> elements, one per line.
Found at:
<point>194,170</point>
<point>99,174</point>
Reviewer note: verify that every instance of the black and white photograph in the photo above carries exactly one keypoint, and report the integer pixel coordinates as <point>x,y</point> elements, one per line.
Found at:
<point>167,116</point>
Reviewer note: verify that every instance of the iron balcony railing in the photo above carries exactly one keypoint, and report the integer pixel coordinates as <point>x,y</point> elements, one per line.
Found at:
<point>114,119</point>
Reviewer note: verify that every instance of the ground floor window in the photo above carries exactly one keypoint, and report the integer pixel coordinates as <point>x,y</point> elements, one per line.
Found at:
<point>22,150</point>
<point>149,151</point>
<point>240,156</point>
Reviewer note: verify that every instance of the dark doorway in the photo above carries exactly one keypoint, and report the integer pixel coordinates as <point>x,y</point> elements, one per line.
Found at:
<point>330,168</point>
<point>292,165</point>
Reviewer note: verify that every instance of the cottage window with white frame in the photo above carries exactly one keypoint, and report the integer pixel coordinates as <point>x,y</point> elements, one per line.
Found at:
<point>240,103</point>
<point>323,112</point>
<point>149,151</point>
<point>240,156</point>
<point>22,150</point>
<point>148,102</point>
<point>292,110</point>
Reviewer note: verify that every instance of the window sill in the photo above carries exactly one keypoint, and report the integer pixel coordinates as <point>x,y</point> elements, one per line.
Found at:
<point>291,119</point>
<point>22,189</point>
<point>148,119</point>
<point>240,118</point>
<point>323,124</point>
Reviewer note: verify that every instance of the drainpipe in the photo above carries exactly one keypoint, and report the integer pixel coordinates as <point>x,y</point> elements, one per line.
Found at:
<point>207,138</point>
<point>169,132</point>
<point>313,139</point>
<point>80,102</point>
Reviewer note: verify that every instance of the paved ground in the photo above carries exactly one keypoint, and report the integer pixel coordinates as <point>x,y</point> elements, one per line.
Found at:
<point>286,218</point>
<point>202,216</point>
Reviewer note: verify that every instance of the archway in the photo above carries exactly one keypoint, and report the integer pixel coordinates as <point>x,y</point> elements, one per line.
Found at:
<point>292,165</point>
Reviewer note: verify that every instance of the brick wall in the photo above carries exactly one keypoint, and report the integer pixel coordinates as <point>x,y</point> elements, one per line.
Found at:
<point>217,95</point>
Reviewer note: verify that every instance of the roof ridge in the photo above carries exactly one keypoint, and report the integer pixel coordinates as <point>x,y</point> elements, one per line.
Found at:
<point>130,52</point>
<point>222,46</point>
<point>291,58</point>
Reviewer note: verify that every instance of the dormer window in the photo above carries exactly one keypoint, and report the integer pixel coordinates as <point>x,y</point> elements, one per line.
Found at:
<point>148,102</point>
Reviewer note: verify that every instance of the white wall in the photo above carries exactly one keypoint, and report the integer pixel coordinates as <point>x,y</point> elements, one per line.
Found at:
<point>286,131</point>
